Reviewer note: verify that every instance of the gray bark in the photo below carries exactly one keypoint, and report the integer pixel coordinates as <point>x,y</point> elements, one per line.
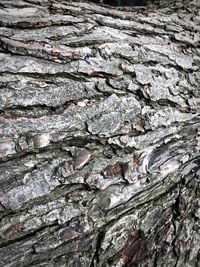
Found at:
<point>100,136</point>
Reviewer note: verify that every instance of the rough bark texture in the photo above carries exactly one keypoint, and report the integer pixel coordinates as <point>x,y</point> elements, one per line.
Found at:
<point>100,134</point>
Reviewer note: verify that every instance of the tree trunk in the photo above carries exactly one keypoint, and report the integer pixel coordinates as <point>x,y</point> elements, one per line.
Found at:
<point>99,134</point>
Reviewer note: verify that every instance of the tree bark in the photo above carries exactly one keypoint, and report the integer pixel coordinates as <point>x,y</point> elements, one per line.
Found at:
<point>100,134</point>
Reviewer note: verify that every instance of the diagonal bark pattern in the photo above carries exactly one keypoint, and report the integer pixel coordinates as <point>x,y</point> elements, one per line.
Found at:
<point>100,134</point>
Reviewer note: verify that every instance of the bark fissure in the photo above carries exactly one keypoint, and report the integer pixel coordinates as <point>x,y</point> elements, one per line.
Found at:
<point>99,134</point>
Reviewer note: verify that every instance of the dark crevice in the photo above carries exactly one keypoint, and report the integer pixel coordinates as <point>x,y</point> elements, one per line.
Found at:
<point>197,263</point>
<point>176,209</point>
<point>96,257</point>
<point>175,216</point>
<point>6,213</point>
<point>155,259</point>
<point>122,2</point>
<point>195,218</point>
<point>79,142</point>
<point>167,102</point>
<point>141,97</point>
<point>114,257</point>
<point>47,110</point>
<point>53,76</point>
<point>28,236</point>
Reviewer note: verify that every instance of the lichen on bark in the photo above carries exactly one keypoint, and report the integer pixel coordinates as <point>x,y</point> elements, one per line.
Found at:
<point>100,139</point>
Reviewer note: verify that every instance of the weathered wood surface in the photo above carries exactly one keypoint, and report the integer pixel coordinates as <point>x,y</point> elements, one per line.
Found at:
<point>100,134</point>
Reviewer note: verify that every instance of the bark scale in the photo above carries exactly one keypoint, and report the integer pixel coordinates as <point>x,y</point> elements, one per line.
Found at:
<point>100,134</point>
